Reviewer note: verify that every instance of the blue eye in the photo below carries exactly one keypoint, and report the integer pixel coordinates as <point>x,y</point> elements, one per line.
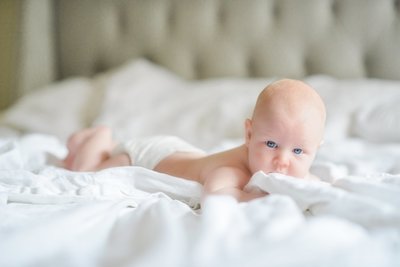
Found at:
<point>297,151</point>
<point>271,144</point>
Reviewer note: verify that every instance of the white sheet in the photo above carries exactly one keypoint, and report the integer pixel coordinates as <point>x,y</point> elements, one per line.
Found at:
<point>131,216</point>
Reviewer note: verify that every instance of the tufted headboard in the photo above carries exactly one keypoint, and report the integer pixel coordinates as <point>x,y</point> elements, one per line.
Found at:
<point>212,38</point>
<point>208,38</point>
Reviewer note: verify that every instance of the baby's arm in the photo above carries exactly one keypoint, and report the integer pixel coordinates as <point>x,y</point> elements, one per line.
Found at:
<point>229,181</point>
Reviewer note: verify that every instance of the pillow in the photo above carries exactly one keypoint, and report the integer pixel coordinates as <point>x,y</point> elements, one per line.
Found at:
<point>59,109</point>
<point>66,106</point>
<point>379,122</point>
<point>363,108</point>
<point>154,101</point>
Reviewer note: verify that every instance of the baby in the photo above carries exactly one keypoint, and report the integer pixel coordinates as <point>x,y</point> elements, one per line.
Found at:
<point>282,136</point>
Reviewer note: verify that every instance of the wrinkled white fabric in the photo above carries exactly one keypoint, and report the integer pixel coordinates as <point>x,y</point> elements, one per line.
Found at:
<point>131,216</point>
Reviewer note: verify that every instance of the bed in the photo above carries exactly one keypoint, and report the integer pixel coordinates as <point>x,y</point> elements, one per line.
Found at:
<point>194,69</point>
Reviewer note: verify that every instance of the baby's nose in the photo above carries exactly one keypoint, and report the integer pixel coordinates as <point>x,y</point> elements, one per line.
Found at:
<point>281,162</point>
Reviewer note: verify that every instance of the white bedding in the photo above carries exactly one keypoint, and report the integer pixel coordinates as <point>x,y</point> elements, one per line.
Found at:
<point>131,216</point>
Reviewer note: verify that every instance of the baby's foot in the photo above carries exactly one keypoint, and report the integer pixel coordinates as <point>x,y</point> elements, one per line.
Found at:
<point>74,143</point>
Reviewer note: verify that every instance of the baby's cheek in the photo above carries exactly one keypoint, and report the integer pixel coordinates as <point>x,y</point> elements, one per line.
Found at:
<point>264,162</point>
<point>261,155</point>
<point>259,161</point>
<point>301,168</point>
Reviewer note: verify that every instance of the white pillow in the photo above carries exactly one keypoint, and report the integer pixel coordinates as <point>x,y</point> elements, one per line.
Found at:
<point>379,122</point>
<point>144,99</point>
<point>59,109</point>
<point>66,106</point>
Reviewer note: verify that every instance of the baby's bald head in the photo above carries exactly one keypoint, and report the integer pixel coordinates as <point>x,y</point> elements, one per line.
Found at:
<point>292,99</point>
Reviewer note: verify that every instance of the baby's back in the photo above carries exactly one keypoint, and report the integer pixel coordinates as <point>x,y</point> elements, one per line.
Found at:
<point>198,166</point>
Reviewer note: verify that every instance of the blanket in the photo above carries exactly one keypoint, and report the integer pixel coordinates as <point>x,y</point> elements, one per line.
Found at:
<point>133,216</point>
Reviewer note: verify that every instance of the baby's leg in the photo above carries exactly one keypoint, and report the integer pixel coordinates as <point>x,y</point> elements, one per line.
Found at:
<point>89,149</point>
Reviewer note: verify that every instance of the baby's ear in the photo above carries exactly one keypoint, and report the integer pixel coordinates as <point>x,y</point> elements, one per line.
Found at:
<point>248,129</point>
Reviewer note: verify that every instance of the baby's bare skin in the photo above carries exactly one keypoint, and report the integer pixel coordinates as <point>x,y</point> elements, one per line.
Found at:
<point>282,136</point>
<point>221,173</point>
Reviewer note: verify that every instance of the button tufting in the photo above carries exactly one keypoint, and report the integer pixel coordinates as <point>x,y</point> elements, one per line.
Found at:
<point>335,7</point>
<point>211,38</point>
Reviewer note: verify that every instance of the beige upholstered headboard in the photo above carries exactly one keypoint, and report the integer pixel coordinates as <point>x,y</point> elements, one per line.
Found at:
<point>212,38</point>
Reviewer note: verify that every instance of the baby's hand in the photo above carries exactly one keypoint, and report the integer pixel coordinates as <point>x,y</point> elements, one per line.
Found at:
<point>259,193</point>
<point>255,191</point>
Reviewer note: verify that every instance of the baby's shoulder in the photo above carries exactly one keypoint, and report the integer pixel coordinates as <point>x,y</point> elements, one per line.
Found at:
<point>230,176</point>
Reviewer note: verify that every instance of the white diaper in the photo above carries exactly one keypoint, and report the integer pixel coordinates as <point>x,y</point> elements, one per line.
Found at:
<point>148,152</point>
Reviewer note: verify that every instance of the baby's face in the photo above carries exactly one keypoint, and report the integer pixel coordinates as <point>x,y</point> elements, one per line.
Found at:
<point>286,146</point>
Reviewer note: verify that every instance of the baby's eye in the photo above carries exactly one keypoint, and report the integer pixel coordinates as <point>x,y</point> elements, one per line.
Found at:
<point>271,144</point>
<point>297,151</point>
